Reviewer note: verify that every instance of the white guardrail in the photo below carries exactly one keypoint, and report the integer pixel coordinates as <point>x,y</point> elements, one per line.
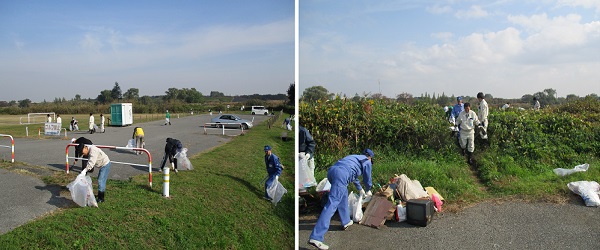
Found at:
<point>221,126</point>
<point>12,146</point>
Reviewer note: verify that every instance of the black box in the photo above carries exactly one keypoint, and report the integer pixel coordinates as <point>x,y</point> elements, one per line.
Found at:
<point>419,212</point>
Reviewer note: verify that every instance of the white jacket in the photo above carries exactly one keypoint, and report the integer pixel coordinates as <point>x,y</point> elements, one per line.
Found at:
<point>97,158</point>
<point>483,111</point>
<point>467,122</point>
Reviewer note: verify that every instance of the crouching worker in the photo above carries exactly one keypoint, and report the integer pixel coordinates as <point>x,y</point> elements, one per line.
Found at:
<point>98,159</point>
<point>274,169</point>
<point>172,147</point>
<point>81,141</point>
<point>467,120</point>
<point>340,175</point>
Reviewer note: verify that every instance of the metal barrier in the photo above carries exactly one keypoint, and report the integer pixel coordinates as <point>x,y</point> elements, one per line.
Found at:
<point>12,146</point>
<point>220,126</point>
<point>115,147</point>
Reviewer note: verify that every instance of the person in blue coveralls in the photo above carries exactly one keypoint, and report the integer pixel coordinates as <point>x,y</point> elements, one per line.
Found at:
<point>274,169</point>
<point>346,170</point>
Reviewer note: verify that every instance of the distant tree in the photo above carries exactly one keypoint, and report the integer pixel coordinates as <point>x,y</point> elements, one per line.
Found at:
<point>145,100</point>
<point>216,94</point>
<point>378,96</point>
<point>24,103</point>
<point>315,93</point>
<point>291,94</point>
<point>488,96</point>
<point>356,97</point>
<point>190,95</point>
<point>527,98</point>
<point>405,97</point>
<point>132,93</point>
<point>104,97</point>
<point>77,97</point>
<point>115,93</point>
<point>572,97</point>
<point>171,94</point>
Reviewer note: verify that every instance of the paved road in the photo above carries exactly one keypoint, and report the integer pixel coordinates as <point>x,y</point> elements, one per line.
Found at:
<point>488,225</point>
<point>25,197</point>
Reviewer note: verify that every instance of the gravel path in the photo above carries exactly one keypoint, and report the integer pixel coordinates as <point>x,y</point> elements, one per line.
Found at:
<point>488,225</point>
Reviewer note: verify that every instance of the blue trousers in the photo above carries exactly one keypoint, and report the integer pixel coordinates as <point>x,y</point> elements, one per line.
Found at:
<point>268,183</point>
<point>338,176</point>
<point>102,177</point>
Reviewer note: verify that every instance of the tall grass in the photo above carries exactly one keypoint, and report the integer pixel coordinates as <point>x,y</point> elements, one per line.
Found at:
<point>517,161</point>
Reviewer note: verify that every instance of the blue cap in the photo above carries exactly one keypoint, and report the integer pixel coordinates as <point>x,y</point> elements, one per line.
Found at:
<point>368,152</point>
<point>459,98</point>
<point>267,148</point>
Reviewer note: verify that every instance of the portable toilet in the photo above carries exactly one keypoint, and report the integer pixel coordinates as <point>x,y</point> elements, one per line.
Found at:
<point>121,114</point>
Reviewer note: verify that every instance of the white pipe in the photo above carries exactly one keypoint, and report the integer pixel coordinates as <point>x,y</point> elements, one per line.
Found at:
<point>166,182</point>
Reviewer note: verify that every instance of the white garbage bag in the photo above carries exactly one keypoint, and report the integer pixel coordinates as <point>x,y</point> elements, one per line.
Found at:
<point>130,143</point>
<point>324,185</point>
<point>182,160</point>
<point>306,179</point>
<point>276,191</point>
<point>578,168</point>
<point>588,190</point>
<point>82,192</point>
<point>355,202</point>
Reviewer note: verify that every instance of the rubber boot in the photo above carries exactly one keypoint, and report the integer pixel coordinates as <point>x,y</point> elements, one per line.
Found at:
<point>100,196</point>
<point>470,158</point>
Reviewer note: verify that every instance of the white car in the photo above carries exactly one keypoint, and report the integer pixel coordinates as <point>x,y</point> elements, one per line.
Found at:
<point>230,121</point>
<point>259,110</point>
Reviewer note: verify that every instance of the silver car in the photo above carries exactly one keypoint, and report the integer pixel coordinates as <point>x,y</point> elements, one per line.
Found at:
<point>230,121</point>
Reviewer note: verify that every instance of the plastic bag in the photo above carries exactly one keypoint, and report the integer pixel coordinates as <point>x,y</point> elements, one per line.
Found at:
<point>130,143</point>
<point>324,185</point>
<point>82,192</point>
<point>588,190</point>
<point>357,215</point>
<point>182,159</point>
<point>306,179</point>
<point>578,168</point>
<point>400,213</point>
<point>276,191</point>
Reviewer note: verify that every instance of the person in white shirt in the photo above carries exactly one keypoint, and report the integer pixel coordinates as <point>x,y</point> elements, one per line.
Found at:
<point>49,118</point>
<point>506,105</point>
<point>102,123</point>
<point>467,120</point>
<point>537,105</point>
<point>59,120</point>
<point>91,123</point>
<point>97,159</point>
<point>483,115</point>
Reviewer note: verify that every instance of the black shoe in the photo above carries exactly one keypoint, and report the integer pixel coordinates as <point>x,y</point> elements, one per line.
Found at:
<point>100,197</point>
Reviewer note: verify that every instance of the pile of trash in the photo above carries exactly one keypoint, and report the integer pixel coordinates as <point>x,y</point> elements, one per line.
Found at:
<point>402,199</point>
<point>588,190</point>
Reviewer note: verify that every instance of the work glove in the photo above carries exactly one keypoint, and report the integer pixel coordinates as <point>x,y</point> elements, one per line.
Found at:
<point>369,193</point>
<point>84,171</point>
<point>362,193</point>
<point>277,177</point>
<point>307,156</point>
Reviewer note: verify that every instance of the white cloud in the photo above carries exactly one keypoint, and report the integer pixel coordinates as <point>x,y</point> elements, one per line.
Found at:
<point>443,36</point>
<point>437,9</point>
<point>474,12</point>
<point>590,4</point>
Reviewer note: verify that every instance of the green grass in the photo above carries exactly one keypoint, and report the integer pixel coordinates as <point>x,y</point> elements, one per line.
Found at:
<point>218,205</point>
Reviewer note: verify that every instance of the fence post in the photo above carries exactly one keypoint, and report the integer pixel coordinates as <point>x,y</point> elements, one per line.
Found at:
<point>166,182</point>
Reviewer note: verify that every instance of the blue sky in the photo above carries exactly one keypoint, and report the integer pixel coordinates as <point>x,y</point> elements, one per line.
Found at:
<point>458,47</point>
<point>54,49</point>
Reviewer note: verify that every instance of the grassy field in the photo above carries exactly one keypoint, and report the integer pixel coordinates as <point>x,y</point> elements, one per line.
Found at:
<point>218,205</point>
<point>10,124</point>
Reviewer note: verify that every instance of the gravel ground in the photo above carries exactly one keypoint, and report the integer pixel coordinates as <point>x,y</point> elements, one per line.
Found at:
<point>488,225</point>
<point>25,197</point>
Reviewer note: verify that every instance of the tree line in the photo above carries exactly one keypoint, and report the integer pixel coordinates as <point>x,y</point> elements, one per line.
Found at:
<point>175,100</point>
<point>547,97</point>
